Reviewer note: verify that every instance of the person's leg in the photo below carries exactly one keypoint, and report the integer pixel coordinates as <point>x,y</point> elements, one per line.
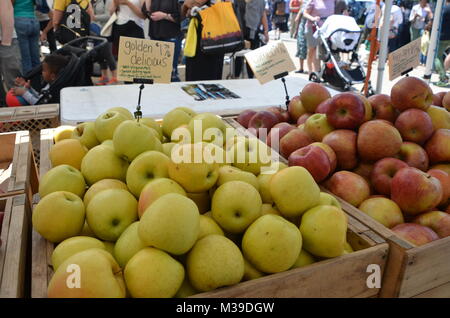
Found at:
<point>20,24</point>
<point>34,42</point>
<point>293,25</point>
<point>51,41</point>
<point>439,61</point>
<point>310,59</point>
<point>10,64</point>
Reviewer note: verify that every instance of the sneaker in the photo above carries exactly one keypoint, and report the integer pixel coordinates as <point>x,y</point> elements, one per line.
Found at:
<point>113,81</point>
<point>300,71</point>
<point>442,83</point>
<point>102,81</point>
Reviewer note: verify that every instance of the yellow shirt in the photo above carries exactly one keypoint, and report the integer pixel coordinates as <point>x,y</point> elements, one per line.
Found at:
<point>61,5</point>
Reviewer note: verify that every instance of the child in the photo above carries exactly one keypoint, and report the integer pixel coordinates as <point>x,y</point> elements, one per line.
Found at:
<point>51,66</point>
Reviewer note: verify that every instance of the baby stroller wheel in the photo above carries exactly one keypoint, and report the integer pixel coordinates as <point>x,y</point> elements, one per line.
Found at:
<point>313,77</point>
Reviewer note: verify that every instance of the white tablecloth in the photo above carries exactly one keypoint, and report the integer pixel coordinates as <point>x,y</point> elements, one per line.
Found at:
<point>79,104</point>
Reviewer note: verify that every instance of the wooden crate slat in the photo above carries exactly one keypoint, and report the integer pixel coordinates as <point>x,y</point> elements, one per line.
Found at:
<point>4,232</point>
<point>442,291</point>
<point>39,268</point>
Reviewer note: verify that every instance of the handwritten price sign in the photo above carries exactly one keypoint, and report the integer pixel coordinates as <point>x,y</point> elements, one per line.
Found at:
<point>404,59</point>
<point>140,58</point>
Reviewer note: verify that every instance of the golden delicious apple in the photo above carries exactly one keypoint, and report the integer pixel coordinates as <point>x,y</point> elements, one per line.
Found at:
<point>92,273</point>
<point>171,224</point>
<point>324,231</point>
<point>62,178</point>
<point>250,272</point>
<point>229,173</point>
<point>152,273</point>
<point>156,189</point>
<point>86,231</point>
<point>235,205</point>
<point>440,117</point>
<point>207,227</point>
<point>63,132</point>
<point>264,187</point>
<point>384,210</point>
<point>304,258</point>
<point>147,167</point>
<point>128,244</point>
<point>121,110</point>
<point>85,133</point>
<point>71,246</point>
<point>110,212</point>
<point>108,143</point>
<point>68,151</point>
<point>58,216</point>
<point>151,123</point>
<point>207,127</point>
<point>186,289</point>
<point>272,244</point>
<point>328,199</point>
<point>109,247</point>
<point>132,138</point>
<point>193,173</point>
<point>213,262</point>
<point>267,208</point>
<point>250,155</point>
<point>102,163</point>
<point>101,185</point>
<point>167,148</point>
<point>175,118</point>
<point>294,191</point>
<point>202,200</point>
<point>348,248</point>
<point>106,124</point>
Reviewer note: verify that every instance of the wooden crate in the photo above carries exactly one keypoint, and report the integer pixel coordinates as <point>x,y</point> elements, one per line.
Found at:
<point>31,118</point>
<point>344,276</point>
<point>14,251</point>
<point>17,165</point>
<point>411,271</point>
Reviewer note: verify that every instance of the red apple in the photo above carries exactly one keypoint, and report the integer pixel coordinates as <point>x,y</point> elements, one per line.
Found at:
<point>378,139</point>
<point>245,116</point>
<point>415,233</point>
<point>330,152</point>
<point>446,101</point>
<point>383,172</point>
<point>262,120</point>
<point>343,143</point>
<point>444,179</point>
<point>368,111</point>
<point>414,155</point>
<point>414,125</point>
<point>411,92</point>
<point>295,108</point>
<point>347,111</point>
<point>448,209</point>
<point>437,99</point>
<point>280,128</point>
<point>438,221</point>
<point>442,166</point>
<point>278,111</point>
<point>293,140</point>
<point>303,118</point>
<point>382,107</point>
<point>438,146</point>
<point>313,159</point>
<point>385,211</point>
<point>415,191</point>
<point>312,95</point>
<point>349,186</point>
<point>364,169</point>
<point>323,106</point>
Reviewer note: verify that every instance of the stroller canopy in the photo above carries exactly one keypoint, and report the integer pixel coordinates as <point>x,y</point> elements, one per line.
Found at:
<point>342,32</point>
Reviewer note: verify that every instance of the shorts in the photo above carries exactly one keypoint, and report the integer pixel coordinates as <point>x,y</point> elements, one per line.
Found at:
<point>311,41</point>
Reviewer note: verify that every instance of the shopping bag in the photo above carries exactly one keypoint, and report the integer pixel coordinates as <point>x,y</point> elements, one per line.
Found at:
<point>221,32</point>
<point>107,28</point>
<point>190,46</point>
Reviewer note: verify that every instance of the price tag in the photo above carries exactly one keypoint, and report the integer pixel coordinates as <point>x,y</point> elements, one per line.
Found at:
<point>269,61</point>
<point>145,59</point>
<point>404,59</point>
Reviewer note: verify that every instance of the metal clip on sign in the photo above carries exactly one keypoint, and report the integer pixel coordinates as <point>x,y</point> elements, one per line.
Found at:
<point>282,75</point>
<point>142,81</point>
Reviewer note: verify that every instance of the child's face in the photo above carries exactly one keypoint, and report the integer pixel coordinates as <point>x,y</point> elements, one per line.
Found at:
<point>47,74</point>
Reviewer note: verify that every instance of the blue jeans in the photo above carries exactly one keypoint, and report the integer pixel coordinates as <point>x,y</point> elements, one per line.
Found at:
<point>27,30</point>
<point>176,55</point>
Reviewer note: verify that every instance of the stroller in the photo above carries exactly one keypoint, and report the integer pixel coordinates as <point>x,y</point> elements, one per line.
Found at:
<point>78,71</point>
<point>339,34</point>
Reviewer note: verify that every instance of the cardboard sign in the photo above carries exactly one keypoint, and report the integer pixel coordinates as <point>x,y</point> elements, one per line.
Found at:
<point>270,60</point>
<point>404,59</point>
<point>146,59</point>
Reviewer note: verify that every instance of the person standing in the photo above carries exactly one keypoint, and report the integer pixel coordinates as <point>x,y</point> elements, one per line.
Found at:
<point>28,31</point>
<point>396,21</point>
<point>302,48</point>
<point>420,13</point>
<point>165,19</point>
<point>444,42</point>
<point>294,8</point>
<point>316,11</point>
<point>43,14</point>
<point>280,17</point>
<point>10,63</point>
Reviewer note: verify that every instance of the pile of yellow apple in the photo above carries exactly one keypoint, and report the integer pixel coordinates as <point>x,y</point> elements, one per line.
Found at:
<point>128,220</point>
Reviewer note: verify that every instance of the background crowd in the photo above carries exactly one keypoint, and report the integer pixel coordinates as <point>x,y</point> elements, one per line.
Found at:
<point>29,25</point>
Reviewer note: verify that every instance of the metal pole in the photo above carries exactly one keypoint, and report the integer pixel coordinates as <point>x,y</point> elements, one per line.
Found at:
<point>432,49</point>
<point>384,33</point>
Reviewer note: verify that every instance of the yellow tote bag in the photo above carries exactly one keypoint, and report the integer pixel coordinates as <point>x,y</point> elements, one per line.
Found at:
<point>191,38</point>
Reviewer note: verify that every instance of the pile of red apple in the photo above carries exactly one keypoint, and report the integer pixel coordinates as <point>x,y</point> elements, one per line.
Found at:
<point>387,155</point>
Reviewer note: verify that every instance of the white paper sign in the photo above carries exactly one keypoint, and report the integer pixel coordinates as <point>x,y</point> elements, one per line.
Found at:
<point>404,59</point>
<point>270,60</point>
